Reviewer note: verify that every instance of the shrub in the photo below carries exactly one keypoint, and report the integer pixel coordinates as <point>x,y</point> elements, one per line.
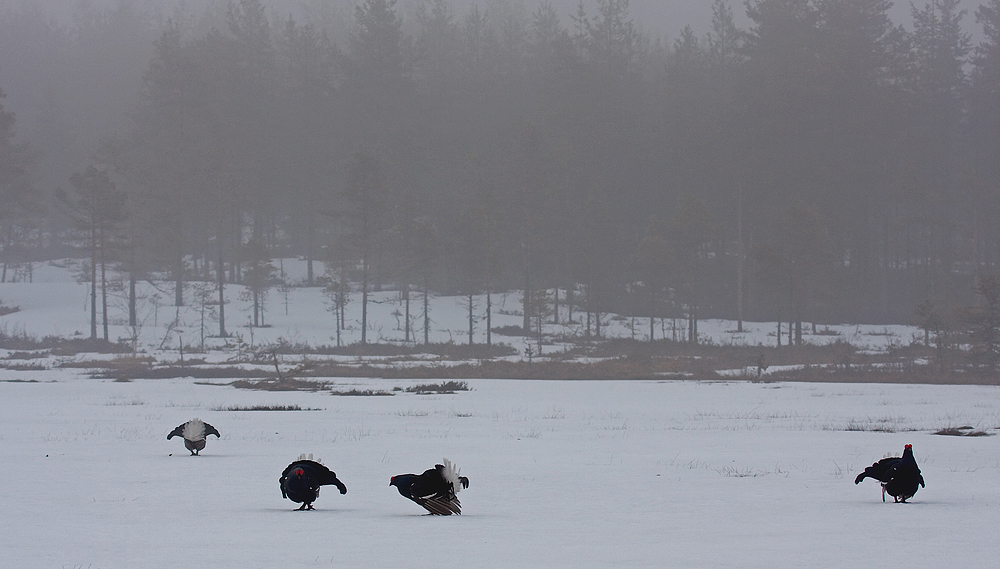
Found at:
<point>443,387</point>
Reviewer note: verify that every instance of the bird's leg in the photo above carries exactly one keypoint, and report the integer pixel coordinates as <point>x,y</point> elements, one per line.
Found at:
<point>302,507</point>
<point>310,507</point>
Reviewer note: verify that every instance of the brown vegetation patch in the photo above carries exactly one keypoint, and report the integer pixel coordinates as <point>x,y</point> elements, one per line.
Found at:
<point>22,367</point>
<point>586,360</point>
<point>446,350</point>
<point>965,431</point>
<point>28,355</point>
<point>127,369</point>
<point>443,387</point>
<point>264,408</point>
<point>61,346</point>
<point>361,393</point>
<point>286,384</point>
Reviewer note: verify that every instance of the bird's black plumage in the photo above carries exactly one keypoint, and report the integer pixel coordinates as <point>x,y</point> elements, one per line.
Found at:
<point>194,433</point>
<point>301,480</point>
<point>900,476</point>
<point>435,490</point>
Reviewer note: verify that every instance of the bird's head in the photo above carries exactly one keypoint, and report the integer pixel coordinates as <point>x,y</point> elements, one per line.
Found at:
<point>299,472</point>
<point>909,447</point>
<point>402,482</point>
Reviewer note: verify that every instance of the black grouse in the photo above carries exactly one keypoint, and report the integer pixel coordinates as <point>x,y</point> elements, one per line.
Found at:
<point>194,433</point>
<point>899,476</point>
<point>300,481</point>
<point>436,489</point>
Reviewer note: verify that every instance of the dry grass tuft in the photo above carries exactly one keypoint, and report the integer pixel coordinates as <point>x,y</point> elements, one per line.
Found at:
<point>965,431</point>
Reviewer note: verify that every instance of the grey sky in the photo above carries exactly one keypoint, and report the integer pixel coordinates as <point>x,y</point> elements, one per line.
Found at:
<point>658,17</point>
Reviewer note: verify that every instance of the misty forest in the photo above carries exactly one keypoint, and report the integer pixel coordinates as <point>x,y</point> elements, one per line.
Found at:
<point>796,161</point>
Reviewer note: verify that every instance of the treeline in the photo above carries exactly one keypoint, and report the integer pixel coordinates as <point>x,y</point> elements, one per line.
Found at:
<point>824,164</point>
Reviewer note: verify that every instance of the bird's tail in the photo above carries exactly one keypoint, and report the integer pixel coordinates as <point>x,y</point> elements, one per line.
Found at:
<point>309,457</point>
<point>194,430</point>
<point>454,477</point>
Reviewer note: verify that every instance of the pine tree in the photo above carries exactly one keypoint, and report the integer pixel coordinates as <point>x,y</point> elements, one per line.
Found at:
<point>98,208</point>
<point>17,194</point>
<point>309,131</point>
<point>365,188</point>
<point>983,143</point>
<point>984,321</point>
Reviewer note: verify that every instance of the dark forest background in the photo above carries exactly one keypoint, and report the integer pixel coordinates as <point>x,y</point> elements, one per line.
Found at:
<point>798,160</point>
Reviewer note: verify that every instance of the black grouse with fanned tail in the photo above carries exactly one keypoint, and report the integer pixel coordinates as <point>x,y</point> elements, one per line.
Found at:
<point>194,433</point>
<point>435,490</point>
<point>301,480</point>
<point>899,476</point>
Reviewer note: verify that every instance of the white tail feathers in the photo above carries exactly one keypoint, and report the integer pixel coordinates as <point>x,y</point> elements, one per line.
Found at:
<point>194,430</point>
<point>452,475</point>
<point>310,457</point>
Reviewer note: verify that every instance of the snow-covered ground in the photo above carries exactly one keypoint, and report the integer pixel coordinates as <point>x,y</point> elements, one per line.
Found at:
<point>55,304</point>
<point>563,474</point>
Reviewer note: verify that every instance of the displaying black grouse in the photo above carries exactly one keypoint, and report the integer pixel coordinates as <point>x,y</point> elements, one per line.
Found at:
<point>194,432</point>
<point>899,476</point>
<point>436,489</point>
<point>300,481</point>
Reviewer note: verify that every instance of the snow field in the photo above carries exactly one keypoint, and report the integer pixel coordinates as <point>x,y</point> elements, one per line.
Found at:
<point>55,304</point>
<point>563,474</point>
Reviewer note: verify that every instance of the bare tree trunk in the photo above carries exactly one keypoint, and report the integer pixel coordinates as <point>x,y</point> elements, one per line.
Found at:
<point>256,304</point>
<point>427,312</point>
<point>471,320</point>
<point>179,280</point>
<point>6,250</point>
<point>692,332</point>
<point>652,312</point>
<point>555,312</point>
<point>406,316</point>
<point>489,317</point>
<point>364,300</point>
<point>343,299</point>
<point>338,309</point>
<point>104,286</point>
<point>220,273</point>
<point>132,318</point>
<point>739,262</point>
<point>569,303</point>
<point>310,230</point>
<point>526,303</point>
<point>597,317</point>
<point>93,282</point>
<point>589,309</point>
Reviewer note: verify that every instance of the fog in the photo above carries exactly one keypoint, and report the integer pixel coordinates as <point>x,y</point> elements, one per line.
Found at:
<point>828,168</point>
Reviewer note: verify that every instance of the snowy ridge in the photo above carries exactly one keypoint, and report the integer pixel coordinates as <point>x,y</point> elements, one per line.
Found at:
<point>452,474</point>
<point>194,430</point>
